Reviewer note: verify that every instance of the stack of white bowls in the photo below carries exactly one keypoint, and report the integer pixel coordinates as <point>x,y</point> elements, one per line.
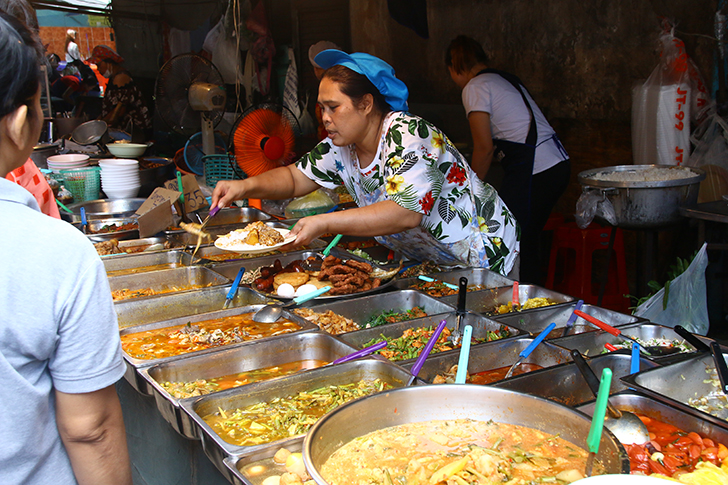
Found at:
<point>120,178</point>
<point>64,162</point>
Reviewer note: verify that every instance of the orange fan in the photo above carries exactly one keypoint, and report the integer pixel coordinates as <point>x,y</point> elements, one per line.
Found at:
<point>264,138</point>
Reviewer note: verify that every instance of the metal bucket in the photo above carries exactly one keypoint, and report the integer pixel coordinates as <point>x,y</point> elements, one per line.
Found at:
<point>452,401</point>
<point>645,204</point>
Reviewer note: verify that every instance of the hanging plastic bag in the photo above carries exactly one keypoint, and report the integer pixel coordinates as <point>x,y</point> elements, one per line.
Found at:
<point>593,203</point>
<point>711,155</point>
<point>663,107</point>
<point>683,301</point>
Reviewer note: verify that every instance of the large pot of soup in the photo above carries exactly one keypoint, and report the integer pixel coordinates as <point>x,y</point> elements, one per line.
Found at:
<point>428,434</point>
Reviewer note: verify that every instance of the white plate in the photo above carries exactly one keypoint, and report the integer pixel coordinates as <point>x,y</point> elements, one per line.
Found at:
<point>257,248</point>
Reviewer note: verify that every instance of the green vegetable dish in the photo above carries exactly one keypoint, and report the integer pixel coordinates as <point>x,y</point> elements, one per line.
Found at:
<point>391,316</point>
<point>285,417</point>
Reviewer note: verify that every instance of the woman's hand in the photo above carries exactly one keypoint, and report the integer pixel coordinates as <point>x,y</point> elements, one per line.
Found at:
<point>306,230</point>
<point>227,191</point>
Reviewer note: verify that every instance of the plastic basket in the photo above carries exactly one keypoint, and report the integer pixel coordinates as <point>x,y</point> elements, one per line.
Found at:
<point>221,167</point>
<point>83,183</point>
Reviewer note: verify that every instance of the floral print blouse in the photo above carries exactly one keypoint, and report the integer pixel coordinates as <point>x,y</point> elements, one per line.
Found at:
<point>464,221</point>
<point>130,95</point>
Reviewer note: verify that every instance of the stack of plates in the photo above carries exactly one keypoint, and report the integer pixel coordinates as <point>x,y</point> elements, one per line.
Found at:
<point>64,162</point>
<point>120,178</point>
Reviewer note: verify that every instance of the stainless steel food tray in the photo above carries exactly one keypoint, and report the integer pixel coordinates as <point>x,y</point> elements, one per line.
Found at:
<point>363,309</point>
<point>145,262</point>
<point>592,343</point>
<point>285,258</point>
<point>217,449</point>
<point>141,311</point>
<point>480,325</point>
<point>252,469</point>
<point>565,384</point>
<point>206,251</point>
<point>475,276</point>
<point>486,301</point>
<point>103,209</point>
<point>637,403</point>
<point>168,279</point>
<point>137,246</point>
<point>677,383</point>
<point>534,322</point>
<point>261,354</point>
<point>232,215</point>
<point>493,355</point>
<point>382,255</point>
<point>133,365</point>
<point>94,225</point>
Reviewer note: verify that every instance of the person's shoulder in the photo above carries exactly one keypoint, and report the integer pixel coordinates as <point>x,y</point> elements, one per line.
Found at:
<point>122,79</point>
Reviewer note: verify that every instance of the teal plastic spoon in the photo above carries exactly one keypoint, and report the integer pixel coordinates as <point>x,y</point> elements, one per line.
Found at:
<point>464,355</point>
<point>597,424</point>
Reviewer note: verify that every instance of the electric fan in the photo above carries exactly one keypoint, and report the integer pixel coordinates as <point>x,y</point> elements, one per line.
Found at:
<point>190,97</point>
<point>264,137</point>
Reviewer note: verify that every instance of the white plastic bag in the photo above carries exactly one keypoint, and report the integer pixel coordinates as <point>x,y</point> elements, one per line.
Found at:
<point>711,155</point>
<point>686,302</point>
<point>593,203</point>
<point>663,107</point>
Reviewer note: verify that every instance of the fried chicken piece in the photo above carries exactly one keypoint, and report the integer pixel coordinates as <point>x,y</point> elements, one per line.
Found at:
<point>342,290</point>
<point>360,265</point>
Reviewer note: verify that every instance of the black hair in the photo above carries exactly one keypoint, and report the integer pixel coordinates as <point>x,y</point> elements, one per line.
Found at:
<point>20,75</point>
<point>87,74</point>
<point>356,86</point>
<point>464,53</point>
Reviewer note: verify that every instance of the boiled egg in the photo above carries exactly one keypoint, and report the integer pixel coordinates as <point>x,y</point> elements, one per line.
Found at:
<point>286,290</point>
<point>303,289</point>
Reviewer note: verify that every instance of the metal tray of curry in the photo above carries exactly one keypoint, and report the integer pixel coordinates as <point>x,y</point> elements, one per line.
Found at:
<point>652,334</point>
<point>691,385</point>
<point>337,380</point>
<point>564,383</point>
<point>165,281</point>
<point>406,339</point>
<point>375,310</point>
<point>143,263</point>
<point>489,362</point>
<point>478,279</point>
<point>142,311</point>
<point>161,342</point>
<point>491,302</point>
<point>193,376</point>
<point>534,322</point>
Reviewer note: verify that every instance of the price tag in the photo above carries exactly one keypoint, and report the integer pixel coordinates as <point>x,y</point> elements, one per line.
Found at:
<point>194,200</point>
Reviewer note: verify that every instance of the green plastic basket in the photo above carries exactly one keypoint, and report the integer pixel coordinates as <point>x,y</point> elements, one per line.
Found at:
<point>83,183</point>
<point>221,167</point>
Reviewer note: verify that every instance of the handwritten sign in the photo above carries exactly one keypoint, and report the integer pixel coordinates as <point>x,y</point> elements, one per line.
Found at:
<point>193,198</point>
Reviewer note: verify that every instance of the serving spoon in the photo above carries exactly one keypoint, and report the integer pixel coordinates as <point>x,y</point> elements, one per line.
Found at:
<point>271,313</point>
<point>626,426</point>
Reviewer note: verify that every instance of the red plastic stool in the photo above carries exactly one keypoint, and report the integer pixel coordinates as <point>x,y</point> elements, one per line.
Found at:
<point>577,262</point>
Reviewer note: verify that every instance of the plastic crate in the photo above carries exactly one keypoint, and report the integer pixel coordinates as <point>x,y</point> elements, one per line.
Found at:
<point>221,167</point>
<point>83,183</point>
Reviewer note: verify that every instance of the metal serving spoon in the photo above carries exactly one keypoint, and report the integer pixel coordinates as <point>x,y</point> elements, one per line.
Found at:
<point>271,313</point>
<point>626,426</point>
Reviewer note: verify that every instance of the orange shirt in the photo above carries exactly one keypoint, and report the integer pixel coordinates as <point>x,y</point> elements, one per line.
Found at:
<point>30,177</point>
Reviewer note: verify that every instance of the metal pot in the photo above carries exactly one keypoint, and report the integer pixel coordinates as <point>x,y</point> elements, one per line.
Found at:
<point>452,401</point>
<point>645,204</point>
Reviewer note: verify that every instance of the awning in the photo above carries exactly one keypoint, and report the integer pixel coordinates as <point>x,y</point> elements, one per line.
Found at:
<point>90,7</point>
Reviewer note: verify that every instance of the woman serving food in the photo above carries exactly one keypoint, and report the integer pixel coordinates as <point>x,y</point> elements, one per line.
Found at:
<point>416,193</point>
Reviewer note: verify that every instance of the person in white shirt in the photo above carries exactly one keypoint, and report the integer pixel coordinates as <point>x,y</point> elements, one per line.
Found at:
<point>507,126</point>
<point>72,52</point>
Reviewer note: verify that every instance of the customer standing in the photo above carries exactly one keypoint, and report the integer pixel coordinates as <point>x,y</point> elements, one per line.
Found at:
<point>72,52</point>
<point>60,353</point>
<point>507,126</point>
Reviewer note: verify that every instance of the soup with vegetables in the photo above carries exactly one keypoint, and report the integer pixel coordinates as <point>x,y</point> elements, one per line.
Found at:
<point>462,451</point>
